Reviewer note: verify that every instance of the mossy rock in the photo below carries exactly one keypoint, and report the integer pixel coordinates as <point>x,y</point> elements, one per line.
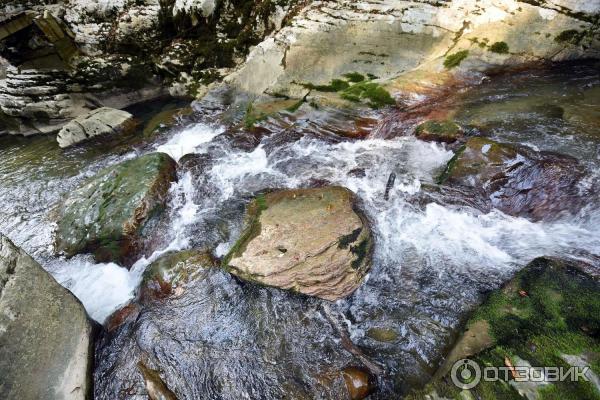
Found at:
<point>439,131</point>
<point>479,156</point>
<point>518,180</point>
<point>111,213</point>
<point>312,241</point>
<point>548,315</point>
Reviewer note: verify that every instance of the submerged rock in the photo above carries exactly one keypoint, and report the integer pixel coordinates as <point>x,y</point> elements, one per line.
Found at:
<point>220,338</point>
<point>102,121</point>
<point>311,241</point>
<point>171,272</point>
<point>518,180</point>
<point>45,334</point>
<point>439,131</point>
<point>548,315</point>
<point>115,211</point>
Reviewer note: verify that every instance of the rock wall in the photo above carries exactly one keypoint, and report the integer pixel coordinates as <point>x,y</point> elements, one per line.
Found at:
<point>127,45</point>
<point>389,38</point>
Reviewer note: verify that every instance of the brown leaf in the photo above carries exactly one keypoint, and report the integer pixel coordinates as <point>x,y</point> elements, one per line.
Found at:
<point>510,366</point>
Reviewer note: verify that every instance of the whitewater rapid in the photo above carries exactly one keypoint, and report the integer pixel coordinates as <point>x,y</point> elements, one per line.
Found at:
<point>446,238</point>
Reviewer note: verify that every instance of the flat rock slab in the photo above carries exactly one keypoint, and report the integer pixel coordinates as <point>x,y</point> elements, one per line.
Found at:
<point>102,121</point>
<point>312,241</point>
<point>45,334</point>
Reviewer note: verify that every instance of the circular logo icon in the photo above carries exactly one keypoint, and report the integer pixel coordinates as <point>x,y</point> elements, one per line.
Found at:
<point>465,374</point>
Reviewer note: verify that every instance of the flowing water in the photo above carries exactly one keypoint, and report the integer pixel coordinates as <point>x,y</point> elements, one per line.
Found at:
<point>435,255</point>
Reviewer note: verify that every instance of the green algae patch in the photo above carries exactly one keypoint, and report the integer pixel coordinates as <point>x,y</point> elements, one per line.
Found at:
<point>454,60</point>
<point>547,316</point>
<point>354,77</point>
<point>570,36</point>
<point>446,131</point>
<point>373,93</point>
<point>499,48</point>
<point>357,89</point>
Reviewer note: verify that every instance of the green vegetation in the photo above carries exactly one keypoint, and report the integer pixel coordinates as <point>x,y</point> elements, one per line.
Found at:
<point>571,36</point>
<point>549,310</point>
<point>252,117</point>
<point>354,77</point>
<point>357,89</point>
<point>500,48</point>
<point>252,228</point>
<point>335,86</point>
<point>439,130</point>
<point>375,95</point>
<point>454,60</point>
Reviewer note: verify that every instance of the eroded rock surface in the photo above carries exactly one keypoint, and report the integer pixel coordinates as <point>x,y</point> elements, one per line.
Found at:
<point>45,336</point>
<point>115,211</point>
<point>310,241</point>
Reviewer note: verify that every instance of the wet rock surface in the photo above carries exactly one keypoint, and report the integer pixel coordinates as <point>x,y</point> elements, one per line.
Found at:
<point>46,342</point>
<point>546,316</point>
<point>102,121</point>
<point>224,339</point>
<point>518,180</point>
<point>310,241</point>
<point>110,214</point>
<point>439,131</point>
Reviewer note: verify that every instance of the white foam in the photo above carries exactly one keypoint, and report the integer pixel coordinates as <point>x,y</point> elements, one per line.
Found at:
<point>446,238</point>
<point>188,140</point>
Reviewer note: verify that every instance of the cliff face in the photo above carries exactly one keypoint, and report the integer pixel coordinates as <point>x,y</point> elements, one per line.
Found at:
<point>184,46</point>
<point>128,50</point>
<point>388,39</point>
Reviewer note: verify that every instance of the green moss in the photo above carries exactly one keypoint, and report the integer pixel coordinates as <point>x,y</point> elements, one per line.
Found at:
<point>375,95</point>
<point>347,240</point>
<point>500,48</point>
<point>336,85</point>
<point>445,128</point>
<point>360,251</point>
<point>571,36</point>
<point>454,60</point>
<point>548,310</point>
<point>354,77</point>
<point>451,164</point>
<point>252,117</point>
<point>382,335</point>
<point>252,228</point>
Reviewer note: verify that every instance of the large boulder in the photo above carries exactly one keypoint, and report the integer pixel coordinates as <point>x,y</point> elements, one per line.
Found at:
<point>45,334</point>
<point>111,213</point>
<point>313,241</point>
<point>518,180</point>
<point>99,122</point>
<point>548,315</point>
